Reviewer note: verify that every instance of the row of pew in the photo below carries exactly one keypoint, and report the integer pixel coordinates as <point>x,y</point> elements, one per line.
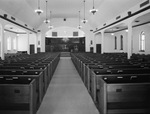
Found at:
<point>24,81</point>
<point>116,84</point>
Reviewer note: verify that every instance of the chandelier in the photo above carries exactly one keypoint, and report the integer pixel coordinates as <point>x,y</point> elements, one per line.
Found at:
<point>46,20</point>
<point>79,27</point>
<point>84,20</point>
<point>38,11</point>
<point>93,10</point>
<point>65,39</point>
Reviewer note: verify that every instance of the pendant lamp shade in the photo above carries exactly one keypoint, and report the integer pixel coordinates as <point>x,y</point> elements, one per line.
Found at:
<point>93,11</point>
<point>38,10</point>
<point>84,20</point>
<point>46,20</point>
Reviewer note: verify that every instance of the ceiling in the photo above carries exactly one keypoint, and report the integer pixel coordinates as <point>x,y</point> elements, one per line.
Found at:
<point>14,29</point>
<point>142,20</point>
<point>24,9</point>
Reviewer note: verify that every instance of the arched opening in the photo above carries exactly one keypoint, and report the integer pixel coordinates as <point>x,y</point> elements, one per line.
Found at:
<point>65,39</point>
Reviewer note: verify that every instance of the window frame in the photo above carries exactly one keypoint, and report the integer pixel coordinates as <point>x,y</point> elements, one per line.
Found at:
<point>142,38</point>
<point>115,42</point>
<point>121,42</point>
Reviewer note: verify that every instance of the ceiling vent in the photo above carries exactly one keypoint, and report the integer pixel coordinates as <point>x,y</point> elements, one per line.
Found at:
<point>75,33</point>
<point>5,15</point>
<point>13,18</point>
<point>104,24</point>
<point>129,13</point>
<point>118,17</point>
<point>144,3</point>
<point>136,21</point>
<point>54,33</point>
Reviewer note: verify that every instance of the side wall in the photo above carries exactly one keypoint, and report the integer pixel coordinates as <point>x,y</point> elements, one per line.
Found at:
<point>110,40</point>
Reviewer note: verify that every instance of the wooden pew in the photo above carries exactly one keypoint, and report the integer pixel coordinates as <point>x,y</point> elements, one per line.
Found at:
<point>37,75</point>
<point>29,68</point>
<point>17,96</point>
<point>98,73</point>
<point>124,94</point>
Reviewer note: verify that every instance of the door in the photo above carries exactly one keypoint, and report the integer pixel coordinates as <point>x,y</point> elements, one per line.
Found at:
<point>31,49</point>
<point>98,48</point>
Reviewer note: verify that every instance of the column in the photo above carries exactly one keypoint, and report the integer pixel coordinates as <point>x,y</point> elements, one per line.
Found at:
<point>129,41</point>
<point>28,45</point>
<point>42,39</point>
<point>102,42</point>
<point>94,43</point>
<point>36,42</point>
<point>17,37</point>
<point>2,35</point>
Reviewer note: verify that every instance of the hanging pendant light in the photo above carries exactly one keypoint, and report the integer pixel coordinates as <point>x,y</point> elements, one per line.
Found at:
<point>50,26</point>
<point>38,11</point>
<point>79,27</point>
<point>93,10</point>
<point>46,20</point>
<point>84,20</point>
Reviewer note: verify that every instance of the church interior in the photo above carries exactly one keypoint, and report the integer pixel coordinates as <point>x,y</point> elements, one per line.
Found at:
<point>74,56</point>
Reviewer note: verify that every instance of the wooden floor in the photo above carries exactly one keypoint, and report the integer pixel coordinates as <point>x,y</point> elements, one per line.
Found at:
<point>66,93</point>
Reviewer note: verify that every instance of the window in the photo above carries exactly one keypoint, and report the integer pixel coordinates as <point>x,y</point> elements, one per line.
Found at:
<point>121,42</point>
<point>75,33</point>
<point>9,43</point>
<point>54,33</point>
<point>115,42</point>
<point>142,42</point>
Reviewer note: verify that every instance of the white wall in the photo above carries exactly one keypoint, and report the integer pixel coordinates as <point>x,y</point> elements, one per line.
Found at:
<point>32,38</point>
<point>0,38</point>
<point>136,33</point>
<point>109,41</point>
<point>12,36</point>
<point>71,22</point>
<point>22,42</point>
<point>65,31</point>
<point>39,40</point>
<point>88,35</point>
<point>97,40</point>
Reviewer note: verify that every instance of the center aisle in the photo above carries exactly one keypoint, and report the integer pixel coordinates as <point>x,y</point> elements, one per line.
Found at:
<point>66,93</point>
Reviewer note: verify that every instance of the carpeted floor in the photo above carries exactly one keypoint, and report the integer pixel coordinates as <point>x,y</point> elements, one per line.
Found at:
<point>66,93</point>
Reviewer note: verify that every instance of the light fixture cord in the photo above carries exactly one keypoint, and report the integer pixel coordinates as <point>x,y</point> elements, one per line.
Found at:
<point>93,4</point>
<point>46,9</point>
<point>50,18</point>
<point>79,18</point>
<point>84,9</point>
<point>38,4</point>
